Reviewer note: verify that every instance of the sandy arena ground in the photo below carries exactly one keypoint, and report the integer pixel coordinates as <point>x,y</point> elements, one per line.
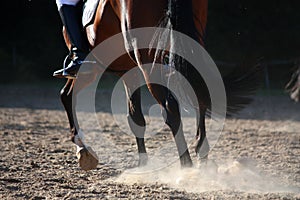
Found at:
<point>256,157</point>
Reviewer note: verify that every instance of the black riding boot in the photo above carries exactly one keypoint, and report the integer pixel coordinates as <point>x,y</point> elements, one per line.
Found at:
<point>71,18</point>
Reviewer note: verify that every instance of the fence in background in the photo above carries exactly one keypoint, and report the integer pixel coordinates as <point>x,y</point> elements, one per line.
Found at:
<point>284,65</point>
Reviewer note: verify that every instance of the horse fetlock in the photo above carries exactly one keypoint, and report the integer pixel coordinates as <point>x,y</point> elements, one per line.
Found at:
<point>202,149</point>
<point>78,141</point>
<point>143,159</point>
<point>185,160</point>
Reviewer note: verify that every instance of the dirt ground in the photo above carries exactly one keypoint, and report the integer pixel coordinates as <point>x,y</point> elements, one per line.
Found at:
<point>256,157</point>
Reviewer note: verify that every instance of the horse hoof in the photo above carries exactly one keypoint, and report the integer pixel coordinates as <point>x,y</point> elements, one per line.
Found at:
<point>208,165</point>
<point>186,161</point>
<point>87,159</point>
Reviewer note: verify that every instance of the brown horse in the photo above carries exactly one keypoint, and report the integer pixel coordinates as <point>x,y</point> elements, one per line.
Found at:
<point>186,16</point>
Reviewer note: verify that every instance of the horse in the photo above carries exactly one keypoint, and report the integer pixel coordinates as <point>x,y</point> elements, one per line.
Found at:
<point>186,16</point>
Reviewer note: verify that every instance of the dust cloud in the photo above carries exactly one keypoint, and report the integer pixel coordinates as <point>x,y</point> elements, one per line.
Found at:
<point>233,175</point>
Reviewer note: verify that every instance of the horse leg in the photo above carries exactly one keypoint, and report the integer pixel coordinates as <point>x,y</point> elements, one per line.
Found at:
<point>136,119</point>
<point>202,146</point>
<point>173,120</point>
<point>66,99</point>
<point>86,156</point>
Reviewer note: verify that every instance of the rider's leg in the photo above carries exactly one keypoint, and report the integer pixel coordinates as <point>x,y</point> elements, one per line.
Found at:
<point>71,18</point>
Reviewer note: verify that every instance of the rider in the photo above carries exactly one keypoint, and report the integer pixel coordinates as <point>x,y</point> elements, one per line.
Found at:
<point>71,14</point>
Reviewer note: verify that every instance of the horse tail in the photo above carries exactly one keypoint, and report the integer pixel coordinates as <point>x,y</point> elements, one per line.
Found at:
<point>293,86</point>
<point>239,85</point>
<point>181,19</point>
<point>180,13</point>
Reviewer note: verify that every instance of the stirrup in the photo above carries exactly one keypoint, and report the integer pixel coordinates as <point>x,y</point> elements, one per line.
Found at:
<point>73,68</point>
<point>59,73</point>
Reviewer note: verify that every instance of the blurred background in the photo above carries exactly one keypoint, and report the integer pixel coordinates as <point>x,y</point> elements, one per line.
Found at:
<point>32,46</point>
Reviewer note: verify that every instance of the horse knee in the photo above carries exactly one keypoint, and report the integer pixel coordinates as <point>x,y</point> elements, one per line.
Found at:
<point>64,94</point>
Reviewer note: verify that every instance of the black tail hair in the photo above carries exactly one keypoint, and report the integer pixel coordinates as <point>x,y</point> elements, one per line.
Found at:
<point>181,17</point>
<point>293,86</point>
<point>239,85</point>
<point>180,13</point>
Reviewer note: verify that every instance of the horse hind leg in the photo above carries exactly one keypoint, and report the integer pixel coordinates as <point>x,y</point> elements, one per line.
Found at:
<point>173,120</point>
<point>136,120</point>
<point>202,146</point>
<point>86,156</point>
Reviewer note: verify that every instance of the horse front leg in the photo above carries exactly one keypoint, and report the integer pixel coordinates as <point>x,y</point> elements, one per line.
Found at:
<point>66,99</point>
<point>86,156</point>
<point>136,119</point>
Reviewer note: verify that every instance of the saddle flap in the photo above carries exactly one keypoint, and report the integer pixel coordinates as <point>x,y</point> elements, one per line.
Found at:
<point>89,10</point>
